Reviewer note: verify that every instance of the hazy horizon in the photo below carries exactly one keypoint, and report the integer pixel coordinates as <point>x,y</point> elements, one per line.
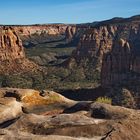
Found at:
<point>26,12</point>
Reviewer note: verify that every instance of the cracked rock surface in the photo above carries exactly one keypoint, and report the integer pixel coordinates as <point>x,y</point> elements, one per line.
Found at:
<point>26,114</point>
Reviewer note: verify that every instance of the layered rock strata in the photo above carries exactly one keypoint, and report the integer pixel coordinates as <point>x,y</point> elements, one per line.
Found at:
<point>111,47</point>
<point>121,64</point>
<point>10,45</point>
<point>117,63</point>
<point>38,34</point>
<point>12,55</point>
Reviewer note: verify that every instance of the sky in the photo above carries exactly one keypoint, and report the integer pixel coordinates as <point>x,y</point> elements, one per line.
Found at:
<point>65,11</point>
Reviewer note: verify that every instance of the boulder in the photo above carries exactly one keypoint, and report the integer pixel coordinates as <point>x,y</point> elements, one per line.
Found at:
<point>9,109</point>
<point>106,111</point>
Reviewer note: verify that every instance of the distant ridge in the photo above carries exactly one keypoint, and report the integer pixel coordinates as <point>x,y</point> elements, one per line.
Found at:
<point>114,20</point>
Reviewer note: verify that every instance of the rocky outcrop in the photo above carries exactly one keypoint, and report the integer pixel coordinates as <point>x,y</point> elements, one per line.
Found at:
<point>120,69</point>
<point>40,29</point>
<point>121,63</point>
<point>100,38</point>
<point>70,33</point>
<point>104,111</point>
<point>112,48</point>
<point>10,45</point>
<point>110,51</point>
<point>93,44</point>
<point>9,109</point>
<point>33,100</point>
<point>12,55</point>
<point>96,121</point>
<point>117,63</point>
<point>6,135</point>
<point>38,34</point>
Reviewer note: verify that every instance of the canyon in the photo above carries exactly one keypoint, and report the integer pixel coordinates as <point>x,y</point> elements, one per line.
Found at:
<point>108,50</point>
<point>112,48</point>
<point>105,52</point>
<point>90,73</point>
<point>12,55</point>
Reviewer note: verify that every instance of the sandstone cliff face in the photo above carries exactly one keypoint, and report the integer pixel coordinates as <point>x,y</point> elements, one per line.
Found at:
<point>117,63</point>
<point>37,34</point>
<point>12,55</point>
<point>111,47</point>
<point>94,43</point>
<point>70,33</point>
<point>38,29</point>
<point>121,64</point>
<point>10,45</point>
<point>31,114</point>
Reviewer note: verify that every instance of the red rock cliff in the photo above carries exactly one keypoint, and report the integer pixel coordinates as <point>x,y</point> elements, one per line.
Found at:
<point>116,64</point>
<point>12,55</point>
<point>112,47</point>
<point>44,33</point>
<point>121,65</point>
<point>10,45</point>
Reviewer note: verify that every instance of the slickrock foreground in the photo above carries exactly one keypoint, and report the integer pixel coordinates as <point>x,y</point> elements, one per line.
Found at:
<point>31,114</point>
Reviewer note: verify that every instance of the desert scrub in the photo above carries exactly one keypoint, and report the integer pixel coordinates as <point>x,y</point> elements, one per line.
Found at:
<point>105,100</point>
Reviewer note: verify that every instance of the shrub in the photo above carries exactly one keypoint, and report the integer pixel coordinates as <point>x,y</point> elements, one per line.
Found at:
<point>105,100</point>
<point>76,75</point>
<point>18,81</point>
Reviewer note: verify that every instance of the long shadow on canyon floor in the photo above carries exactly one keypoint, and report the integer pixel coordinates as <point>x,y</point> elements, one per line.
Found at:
<point>84,94</point>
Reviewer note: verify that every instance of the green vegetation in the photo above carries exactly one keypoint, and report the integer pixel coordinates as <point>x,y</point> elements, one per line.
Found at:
<point>105,100</point>
<point>50,55</point>
<point>56,78</point>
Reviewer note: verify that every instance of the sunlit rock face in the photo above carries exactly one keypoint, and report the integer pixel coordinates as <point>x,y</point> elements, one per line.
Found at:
<point>113,48</point>
<point>93,44</point>
<point>38,29</point>
<point>36,34</point>
<point>70,33</point>
<point>12,55</point>
<point>10,45</point>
